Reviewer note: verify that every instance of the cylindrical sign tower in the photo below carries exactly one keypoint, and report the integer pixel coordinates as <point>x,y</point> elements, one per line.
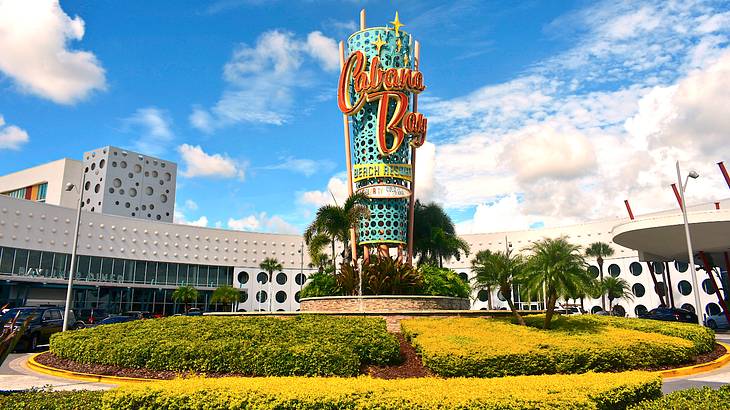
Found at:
<point>377,88</point>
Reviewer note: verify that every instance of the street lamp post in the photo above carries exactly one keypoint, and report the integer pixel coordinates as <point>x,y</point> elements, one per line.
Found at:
<point>690,253</point>
<point>72,271</point>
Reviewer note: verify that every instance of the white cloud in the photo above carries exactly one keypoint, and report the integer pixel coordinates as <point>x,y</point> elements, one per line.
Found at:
<point>34,40</point>
<point>304,166</point>
<point>261,222</point>
<point>153,127</point>
<point>261,80</point>
<point>336,191</point>
<point>11,137</point>
<point>198,163</point>
<point>543,150</point>
<point>574,135</point>
<point>179,218</point>
<point>191,205</point>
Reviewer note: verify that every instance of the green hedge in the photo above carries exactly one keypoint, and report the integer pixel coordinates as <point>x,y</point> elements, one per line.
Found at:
<point>472,347</point>
<point>261,346</point>
<point>702,337</point>
<point>51,400</point>
<point>704,398</point>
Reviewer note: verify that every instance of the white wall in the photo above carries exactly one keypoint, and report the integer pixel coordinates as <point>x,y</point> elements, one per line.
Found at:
<point>57,174</point>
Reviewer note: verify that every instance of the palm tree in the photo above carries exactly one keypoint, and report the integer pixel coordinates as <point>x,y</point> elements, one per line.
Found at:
<point>500,269</point>
<point>434,235</point>
<point>185,294</point>
<point>615,288</point>
<point>484,277</point>
<point>558,267</point>
<point>316,244</point>
<point>226,294</point>
<point>270,265</point>
<point>599,250</point>
<point>335,222</point>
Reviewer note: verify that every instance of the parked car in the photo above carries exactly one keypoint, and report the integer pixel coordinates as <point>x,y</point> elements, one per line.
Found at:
<point>91,317</point>
<point>717,322</point>
<point>669,314</point>
<point>194,312</point>
<point>117,319</point>
<point>45,322</point>
<point>569,311</point>
<point>138,314</point>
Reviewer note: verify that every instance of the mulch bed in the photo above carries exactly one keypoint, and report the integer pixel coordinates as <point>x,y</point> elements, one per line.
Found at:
<point>411,366</point>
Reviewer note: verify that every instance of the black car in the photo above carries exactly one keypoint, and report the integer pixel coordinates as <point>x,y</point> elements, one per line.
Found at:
<point>668,314</point>
<point>45,322</point>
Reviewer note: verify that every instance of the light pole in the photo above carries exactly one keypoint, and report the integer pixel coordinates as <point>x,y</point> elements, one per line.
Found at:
<point>69,289</point>
<point>690,254</point>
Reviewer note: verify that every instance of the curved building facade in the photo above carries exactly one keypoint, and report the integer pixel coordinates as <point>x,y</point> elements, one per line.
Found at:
<point>135,262</point>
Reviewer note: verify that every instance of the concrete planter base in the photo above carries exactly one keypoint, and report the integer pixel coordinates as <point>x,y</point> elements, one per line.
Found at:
<point>383,303</point>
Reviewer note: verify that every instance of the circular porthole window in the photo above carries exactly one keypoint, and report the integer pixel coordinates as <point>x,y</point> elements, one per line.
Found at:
<point>638,290</point>
<point>262,278</point>
<point>243,277</point>
<point>281,278</point>
<point>684,287</point>
<point>483,295</point>
<point>280,296</point>
<point>614,270</point>
<point>635,268</point>
<point>261,296</point>
<point>594,272</point>
<point>300,279</point>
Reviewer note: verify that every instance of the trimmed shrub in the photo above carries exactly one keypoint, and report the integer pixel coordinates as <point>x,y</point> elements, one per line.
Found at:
<point>703,338</point>
<point>702,398</point>
<point>492,348</point>
<point>589,391</point>
<point>51,400</point>
<point>442,282</point>
<point>263,346</point>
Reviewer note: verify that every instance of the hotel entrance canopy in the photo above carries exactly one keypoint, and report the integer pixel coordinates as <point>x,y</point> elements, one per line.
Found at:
<point>662,238</point>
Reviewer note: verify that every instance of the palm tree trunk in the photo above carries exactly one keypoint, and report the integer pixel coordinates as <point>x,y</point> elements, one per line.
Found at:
<point>550,310</point>
<point>333,252</point>
<point>489,297</point>
<point>511,305</point>
<point>600,269</point>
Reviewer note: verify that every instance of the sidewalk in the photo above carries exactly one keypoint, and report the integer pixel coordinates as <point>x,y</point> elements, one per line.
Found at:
<point>15,375</point>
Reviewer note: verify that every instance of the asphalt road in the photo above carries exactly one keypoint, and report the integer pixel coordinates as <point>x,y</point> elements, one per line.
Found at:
<point>713,379</point>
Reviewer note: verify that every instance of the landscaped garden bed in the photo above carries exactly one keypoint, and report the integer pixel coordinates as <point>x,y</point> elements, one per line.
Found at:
<point>493,348</point>
<point>304,345</point>
<point>588,391</point>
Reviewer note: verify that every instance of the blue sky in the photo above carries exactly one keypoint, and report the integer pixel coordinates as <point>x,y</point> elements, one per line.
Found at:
<point>541,113</point>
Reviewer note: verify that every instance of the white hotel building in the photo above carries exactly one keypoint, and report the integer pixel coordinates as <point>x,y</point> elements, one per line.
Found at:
<point>132,256</point>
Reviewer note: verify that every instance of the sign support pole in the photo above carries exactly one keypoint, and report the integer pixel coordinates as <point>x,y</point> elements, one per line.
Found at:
<point>412,205</point>
<point>346,125</point>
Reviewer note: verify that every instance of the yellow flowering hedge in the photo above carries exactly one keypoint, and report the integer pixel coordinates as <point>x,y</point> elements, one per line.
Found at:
<point>492,348</point>
<point>306,345</point>
<point>702,337</point>
<point>588,391</point>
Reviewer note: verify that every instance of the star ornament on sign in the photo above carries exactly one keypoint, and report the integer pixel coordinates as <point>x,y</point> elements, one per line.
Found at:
<point>397,24</point>
<point>378,43</point>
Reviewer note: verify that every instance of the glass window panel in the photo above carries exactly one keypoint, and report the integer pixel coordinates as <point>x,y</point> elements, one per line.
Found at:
<point>212,276</point>
<point>225,276</point>
<point>118,269</point>
<point>192,277</point>
<point>34,259</point>
<point>162,273</point>
<point>94,268</point>
<point>82,267</point>
<point>203,275</point>
<point>107,269</point>
<point>128,271</point>
<point>172,273</point>
<point>139,271</point>
<point>47,260</point>
<point>21,262</point>
<point>6,260</point>
<point>182,274</point>
<point>60,263</point>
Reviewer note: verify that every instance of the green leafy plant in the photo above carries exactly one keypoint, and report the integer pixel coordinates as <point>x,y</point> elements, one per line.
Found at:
<point>442,282</point>
<point>386,276</point>
<point>307,345</point>
<point>185,294</point>
<point>502,270</point>
<point>599,250</point>
<point>227,295</point>
<point>695,398</point>
<point>320,284</point>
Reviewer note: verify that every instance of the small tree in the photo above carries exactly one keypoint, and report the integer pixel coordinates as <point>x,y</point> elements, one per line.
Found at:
<point>615,288</point>
<point>500,269</point>
<point>185,294</point>
<point>270,265</point>
<point>226,294</point>
<point>558,267</point>
<point>599,250</point>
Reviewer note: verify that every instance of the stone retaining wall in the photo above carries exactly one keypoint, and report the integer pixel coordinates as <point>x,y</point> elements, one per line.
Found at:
<point>388,303</point>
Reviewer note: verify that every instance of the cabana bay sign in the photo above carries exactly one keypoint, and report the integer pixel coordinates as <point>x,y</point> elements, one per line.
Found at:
<point>378,95</point>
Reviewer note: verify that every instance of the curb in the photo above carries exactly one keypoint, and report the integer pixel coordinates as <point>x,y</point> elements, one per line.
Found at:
<point>88,377</point>
<point>699,368</point>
